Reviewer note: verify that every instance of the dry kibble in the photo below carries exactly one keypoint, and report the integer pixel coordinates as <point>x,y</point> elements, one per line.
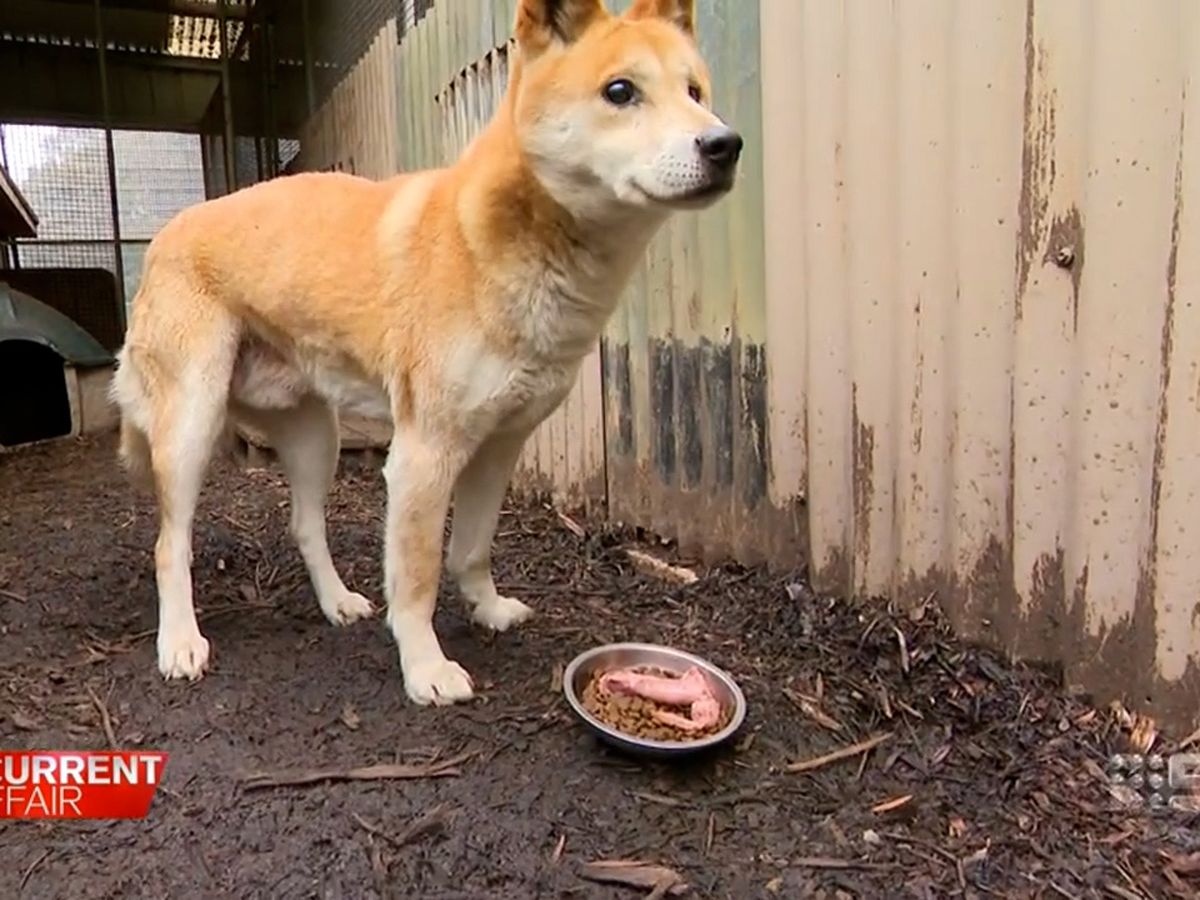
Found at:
<point>634,715</point>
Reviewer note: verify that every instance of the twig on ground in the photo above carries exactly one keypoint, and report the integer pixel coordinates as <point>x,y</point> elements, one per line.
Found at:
<point>28,872</point>
<point>572,526</point>
<point>889,805</point>
<point>827,862</point>
<point>427,824</point>
<point>105,718</point>
<point>299,777</point>
<point>817,762</point>
<point>812,709</point>
<point>13,595</point>
<point>634,873</point>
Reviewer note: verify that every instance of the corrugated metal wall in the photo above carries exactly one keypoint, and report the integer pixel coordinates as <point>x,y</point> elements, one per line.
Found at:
<point>354,129</point>
<point>982,292</point>
<point>685,360</point>
<point>982,378</point>
<point>684,386</point>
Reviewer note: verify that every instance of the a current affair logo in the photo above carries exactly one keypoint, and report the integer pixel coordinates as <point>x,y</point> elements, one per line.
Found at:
<point>64,784</point>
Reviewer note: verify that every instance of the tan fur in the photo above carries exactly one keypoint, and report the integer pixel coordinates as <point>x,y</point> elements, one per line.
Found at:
<point>459,302</point>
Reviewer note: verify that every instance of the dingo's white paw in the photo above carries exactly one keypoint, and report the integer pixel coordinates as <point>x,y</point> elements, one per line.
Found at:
<point>347,607</point>
<point>501,613</point>
<point>439,682</point>
<point>182,653</point>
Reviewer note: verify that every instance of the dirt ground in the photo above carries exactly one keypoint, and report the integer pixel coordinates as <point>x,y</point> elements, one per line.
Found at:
<point>1002,771</point>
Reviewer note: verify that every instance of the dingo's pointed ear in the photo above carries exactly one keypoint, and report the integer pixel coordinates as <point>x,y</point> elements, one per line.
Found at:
<point>678,12</point>
<point>543,22</point>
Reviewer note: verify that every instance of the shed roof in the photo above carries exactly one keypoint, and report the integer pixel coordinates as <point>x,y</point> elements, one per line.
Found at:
<point>17,218</point>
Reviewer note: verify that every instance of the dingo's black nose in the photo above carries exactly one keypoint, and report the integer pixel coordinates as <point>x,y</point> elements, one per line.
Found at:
<point>720,146</point>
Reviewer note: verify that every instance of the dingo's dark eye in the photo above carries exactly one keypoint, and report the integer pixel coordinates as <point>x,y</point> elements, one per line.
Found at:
<point>694,92</point>
<point>620,92</point>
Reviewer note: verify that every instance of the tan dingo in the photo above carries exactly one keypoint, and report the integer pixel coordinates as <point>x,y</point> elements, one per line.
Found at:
<point>458,302</point>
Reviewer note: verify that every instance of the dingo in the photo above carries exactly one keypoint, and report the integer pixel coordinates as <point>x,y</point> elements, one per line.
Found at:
<point>459,302</point>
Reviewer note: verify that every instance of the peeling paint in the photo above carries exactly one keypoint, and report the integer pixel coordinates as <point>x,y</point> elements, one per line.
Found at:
<point>1037,159</point>
<point>864,479</point>
<point>1065,249</point>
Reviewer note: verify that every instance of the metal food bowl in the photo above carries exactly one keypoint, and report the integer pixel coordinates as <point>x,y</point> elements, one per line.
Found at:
<point>612,656</point>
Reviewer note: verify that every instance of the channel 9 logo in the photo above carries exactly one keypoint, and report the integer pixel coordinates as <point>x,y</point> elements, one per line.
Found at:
<point>1158,783</point>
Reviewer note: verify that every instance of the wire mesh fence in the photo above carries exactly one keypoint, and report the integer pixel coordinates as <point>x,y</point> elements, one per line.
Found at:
<point>63,174</point>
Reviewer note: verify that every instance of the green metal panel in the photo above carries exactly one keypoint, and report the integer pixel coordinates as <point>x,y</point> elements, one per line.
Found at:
<point>22,318</point>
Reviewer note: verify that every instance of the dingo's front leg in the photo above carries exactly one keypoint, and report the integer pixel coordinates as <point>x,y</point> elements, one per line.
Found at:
<point>477,499</point>
<point>420,473</point>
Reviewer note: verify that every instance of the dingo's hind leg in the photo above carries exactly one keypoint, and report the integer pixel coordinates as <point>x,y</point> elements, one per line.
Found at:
<point>305,438</point>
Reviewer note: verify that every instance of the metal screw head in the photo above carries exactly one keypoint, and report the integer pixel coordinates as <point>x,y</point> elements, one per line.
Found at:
<point>1156,763</point>
<point>1064,257</point>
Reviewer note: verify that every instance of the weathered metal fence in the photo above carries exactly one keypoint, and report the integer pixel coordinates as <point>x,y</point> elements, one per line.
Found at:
<point>982,300</point>
<point>953,348</point>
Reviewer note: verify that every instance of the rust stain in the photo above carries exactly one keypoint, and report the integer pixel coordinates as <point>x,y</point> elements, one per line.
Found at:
<point>863,469</point>
<point>1117,663</point>
<point>1037,161</point>
<point>915,412</point>
<point>1065,249</point>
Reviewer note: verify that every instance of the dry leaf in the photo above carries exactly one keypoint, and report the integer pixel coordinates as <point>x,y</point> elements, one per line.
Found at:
<point>350,717</point>
<point>1143,734</point>
<point>775,885</point>
<point>957,827</point>
<point>889,805</point>
<point>634,873</point>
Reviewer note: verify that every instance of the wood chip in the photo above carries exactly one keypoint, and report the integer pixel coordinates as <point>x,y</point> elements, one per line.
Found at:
<point>1184,865</point>
<point>558,849</point>
<point>25,722</point>
<point>350,717</point>
<point>817,762</point>
<point>1143,734</point>
<point>634,873</point>
<point>889,805</point>
<point>650,565</point>
<point>572,526</point>
<point>298,777</point>
<point>810,707</point>
<point>904,663</point>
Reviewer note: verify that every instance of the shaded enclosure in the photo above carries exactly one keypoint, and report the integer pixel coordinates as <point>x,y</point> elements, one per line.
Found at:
<point>34,404</point>
<point>936,345</point>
